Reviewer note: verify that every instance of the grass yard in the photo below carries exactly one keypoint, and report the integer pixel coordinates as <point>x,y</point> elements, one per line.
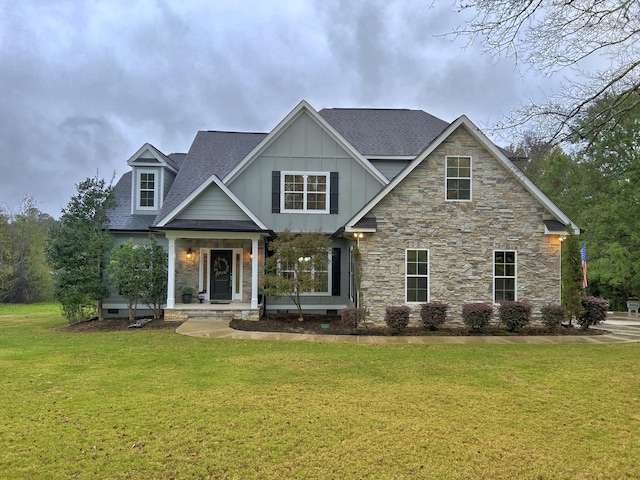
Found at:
<point>145,404</point>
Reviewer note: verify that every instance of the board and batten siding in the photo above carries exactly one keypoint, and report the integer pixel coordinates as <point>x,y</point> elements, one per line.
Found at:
<point>213,204</point>
<point>168,179</point>
<point>305,146</point>
<point>390,168</point>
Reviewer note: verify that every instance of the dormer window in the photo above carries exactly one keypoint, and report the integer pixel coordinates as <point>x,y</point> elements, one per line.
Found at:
<point>147,189</point>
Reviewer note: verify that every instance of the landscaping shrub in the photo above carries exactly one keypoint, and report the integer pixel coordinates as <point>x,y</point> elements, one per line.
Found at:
<point>351,317</point>
<point>433,314</point>
<point>514,315</point>
<point>595,311</point>
<point>553,315</point>
<point>476,316</point>
<point>397,318</point>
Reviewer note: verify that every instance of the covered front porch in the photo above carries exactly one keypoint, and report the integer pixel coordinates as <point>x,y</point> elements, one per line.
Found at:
<point>221,270</point>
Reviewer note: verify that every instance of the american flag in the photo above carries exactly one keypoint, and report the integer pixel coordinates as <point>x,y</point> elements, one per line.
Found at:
<point>583,254</point>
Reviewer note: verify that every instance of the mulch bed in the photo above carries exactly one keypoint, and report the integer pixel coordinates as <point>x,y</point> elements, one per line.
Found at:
<point>114,325</point>
<point>320,324</point>
<point>333,325</point>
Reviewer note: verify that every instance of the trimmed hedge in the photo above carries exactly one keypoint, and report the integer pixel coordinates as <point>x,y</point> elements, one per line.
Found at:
<point>476,316</point>
<point>553,315</point>
<point>433,314</point>
<point>397,318</point>
<point>514,315</point>
<point>351,317</point>
<point>595,311</point>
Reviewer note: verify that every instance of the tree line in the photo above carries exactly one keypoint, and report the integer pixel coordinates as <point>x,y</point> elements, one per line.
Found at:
<point>74,260</point>
<point>595,180</point>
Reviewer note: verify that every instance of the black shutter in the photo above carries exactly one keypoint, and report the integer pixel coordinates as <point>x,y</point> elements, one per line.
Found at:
<point>335,273</point>
<point>275,192</point>
<point>333,193</point>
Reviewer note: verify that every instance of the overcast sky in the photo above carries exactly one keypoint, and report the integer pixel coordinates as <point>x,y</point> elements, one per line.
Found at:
<point>84,84</point>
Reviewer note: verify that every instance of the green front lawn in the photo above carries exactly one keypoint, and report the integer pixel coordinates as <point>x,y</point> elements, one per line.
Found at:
<point>153,404</point>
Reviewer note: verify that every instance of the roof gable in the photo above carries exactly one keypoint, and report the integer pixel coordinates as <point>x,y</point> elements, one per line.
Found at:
<point>497,153</point>
<point>212,180</point>
<point>302,108</point>
<point>148,155</point>
<point>211,153</point>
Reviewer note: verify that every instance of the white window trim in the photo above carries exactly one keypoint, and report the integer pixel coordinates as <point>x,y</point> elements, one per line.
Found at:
<point>329,280</point>
<point>283,174</point>
<point>515,277</point>
<point>156,190</point>
<point>470,178</point>
<point>407,276</point>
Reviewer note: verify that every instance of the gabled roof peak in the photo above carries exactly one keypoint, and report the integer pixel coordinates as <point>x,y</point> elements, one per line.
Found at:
<point>148,152</point>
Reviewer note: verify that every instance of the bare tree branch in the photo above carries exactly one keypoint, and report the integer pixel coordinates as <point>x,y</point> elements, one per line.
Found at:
<point>552,35</point>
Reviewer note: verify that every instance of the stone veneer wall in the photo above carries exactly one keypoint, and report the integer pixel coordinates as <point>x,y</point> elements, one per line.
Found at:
<point>460,236</point>
<point>182,315</point>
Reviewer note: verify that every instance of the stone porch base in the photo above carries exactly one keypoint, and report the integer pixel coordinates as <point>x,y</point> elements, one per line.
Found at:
<point>203,311</point>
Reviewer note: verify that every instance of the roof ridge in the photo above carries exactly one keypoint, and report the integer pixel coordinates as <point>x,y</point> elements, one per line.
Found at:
<point>374,108</point>
<point>233,131</point>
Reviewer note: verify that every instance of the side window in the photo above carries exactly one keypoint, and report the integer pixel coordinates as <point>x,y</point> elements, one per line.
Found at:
<point>417,276</point>
<point>504,275</point>
<point>320,276</point>
<point>458,181</point>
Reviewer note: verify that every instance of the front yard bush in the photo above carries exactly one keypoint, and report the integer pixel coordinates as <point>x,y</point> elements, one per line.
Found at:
<point>595,311</point>
<point>514,315</point>
<point>476,316</point>
<point>433,314</point>
<point>351,317</point>
<point>553,315</point>
<point>397,318</point>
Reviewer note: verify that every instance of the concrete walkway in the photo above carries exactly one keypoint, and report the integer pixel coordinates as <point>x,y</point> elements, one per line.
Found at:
<point>624,328</point>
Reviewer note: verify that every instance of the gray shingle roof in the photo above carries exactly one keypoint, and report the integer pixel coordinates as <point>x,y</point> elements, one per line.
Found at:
<point>210,153</point>
<point>120,217</point>
<point>213,225</point>
<point>384,132</point>
<point>177,159</point>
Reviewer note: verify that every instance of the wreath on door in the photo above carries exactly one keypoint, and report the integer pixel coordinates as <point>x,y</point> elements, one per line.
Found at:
<point>220,266</point>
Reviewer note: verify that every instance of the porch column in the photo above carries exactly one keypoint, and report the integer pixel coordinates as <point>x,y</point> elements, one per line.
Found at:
<point>254,273</point>
<point>171,272</point>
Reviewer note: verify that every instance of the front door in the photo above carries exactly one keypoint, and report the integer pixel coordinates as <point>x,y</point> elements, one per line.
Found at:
<point>221,274</point>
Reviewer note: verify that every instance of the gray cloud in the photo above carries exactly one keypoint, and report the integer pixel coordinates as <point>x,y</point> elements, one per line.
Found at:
<point>85,84</point>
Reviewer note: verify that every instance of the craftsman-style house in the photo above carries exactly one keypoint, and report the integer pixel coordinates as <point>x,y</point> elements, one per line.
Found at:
<point>438,212</point>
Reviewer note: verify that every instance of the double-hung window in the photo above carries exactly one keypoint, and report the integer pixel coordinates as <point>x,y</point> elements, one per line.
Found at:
<point>458,178</point>
<point>319,275</point>
<point>504,275</point>
<point>305,192</point>
<point>417,275</point>
<point>147,190</point>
